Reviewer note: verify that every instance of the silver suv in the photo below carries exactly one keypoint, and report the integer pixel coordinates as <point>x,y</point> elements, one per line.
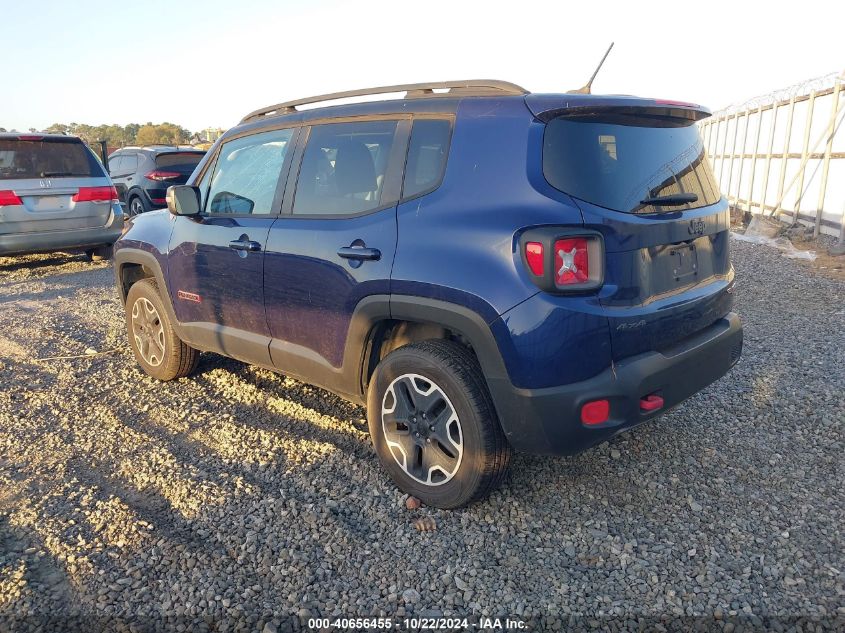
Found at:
<point>55,195</point>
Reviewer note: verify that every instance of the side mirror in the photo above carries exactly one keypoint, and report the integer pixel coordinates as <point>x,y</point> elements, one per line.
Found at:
<point>183,200</point>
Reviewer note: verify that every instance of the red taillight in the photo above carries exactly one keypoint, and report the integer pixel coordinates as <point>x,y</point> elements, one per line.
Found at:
<point>161,201</point>
<point>572,261</point>
<point>95,194</point>
<point>8,198</point>
<point>30,137</point>
<point>534,257</point>
<point>595,412</point>
<point>159,174</point>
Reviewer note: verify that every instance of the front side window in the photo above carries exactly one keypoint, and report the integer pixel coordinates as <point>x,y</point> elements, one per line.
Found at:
<point>426,156</point>
<point>247,173</point>
<point>116,164</point>
<point>343,168</point>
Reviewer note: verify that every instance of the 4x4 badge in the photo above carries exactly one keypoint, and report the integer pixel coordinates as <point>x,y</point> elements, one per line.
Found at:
<point>45,184</point>
<point>696,227</point>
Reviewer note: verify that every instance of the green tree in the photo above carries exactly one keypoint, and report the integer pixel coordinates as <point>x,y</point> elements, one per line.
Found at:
<point>162,133</point>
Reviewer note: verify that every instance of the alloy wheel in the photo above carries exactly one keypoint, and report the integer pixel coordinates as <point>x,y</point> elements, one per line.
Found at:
<point>148,331</point>
<point>422,429</point>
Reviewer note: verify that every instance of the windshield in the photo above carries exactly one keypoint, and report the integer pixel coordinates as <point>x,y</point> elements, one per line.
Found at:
<point>621,161</point>
<point>46,158</point>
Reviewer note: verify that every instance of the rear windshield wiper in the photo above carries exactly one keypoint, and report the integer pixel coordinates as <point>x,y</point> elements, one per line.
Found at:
<point>671,200</point>
<point>56,174</point>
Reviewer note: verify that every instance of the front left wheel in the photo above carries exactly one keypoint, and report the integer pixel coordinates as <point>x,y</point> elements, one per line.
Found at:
<point>157,348</point>
<point>433,424</point>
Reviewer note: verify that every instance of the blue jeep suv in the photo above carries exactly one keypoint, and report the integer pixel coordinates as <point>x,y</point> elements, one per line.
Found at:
<point>485,269</point>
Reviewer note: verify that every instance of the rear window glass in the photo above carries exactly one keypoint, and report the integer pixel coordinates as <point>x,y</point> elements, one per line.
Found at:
<point>182,162</point>
<point>617,163</point>
<point>426,156</point>
<point>343,168</point>
<point>46,158</point>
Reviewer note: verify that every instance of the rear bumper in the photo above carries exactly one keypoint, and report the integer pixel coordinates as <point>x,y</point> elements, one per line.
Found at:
<point>47,241</point>
<point>548,421</point>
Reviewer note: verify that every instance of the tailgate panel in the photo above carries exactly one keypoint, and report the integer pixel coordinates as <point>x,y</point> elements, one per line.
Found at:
<point>53,208</point>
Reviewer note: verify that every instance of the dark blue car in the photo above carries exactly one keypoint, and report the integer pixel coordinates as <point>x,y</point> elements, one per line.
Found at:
<point>486,269</point>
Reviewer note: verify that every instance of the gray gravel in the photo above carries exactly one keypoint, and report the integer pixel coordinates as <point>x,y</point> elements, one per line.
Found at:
<point>240,500</point>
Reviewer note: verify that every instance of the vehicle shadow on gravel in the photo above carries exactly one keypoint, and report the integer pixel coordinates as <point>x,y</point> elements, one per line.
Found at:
<point>41,263</point>
<point>276,384</point>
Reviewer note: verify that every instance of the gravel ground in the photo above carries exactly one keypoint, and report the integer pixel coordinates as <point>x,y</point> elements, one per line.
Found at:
<point>241,500</point>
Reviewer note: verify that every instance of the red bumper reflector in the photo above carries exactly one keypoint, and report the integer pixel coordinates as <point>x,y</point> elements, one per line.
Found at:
<point>595,412</point>
<point>651,403</point>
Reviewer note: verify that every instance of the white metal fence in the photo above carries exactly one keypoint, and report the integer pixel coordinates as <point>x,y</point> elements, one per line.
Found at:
<point>784,153</point>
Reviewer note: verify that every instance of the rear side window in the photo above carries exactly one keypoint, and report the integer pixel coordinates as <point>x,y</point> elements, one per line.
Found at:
<point>343,168</point>
<point>183,162</point>
<point>47,158</point>
<point>426,156</point>
<point>616,163</point>
<point>130,163</point>
<point>247,173</point>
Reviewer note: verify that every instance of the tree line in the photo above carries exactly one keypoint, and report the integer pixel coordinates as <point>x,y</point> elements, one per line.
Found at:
<point>120,136</point>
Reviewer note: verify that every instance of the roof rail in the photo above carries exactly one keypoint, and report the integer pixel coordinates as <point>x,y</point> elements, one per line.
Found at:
<point>467,87</point>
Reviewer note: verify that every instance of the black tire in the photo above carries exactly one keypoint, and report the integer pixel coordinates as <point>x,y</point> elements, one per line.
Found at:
<point>136,206</point>
<point>168,358</point>
<point>99,254</point>
<point>455,373</point>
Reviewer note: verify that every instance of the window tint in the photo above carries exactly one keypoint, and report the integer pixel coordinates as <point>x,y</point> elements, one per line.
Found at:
<point>183,162</point>
<point>247,173</point>
<point>46,158</point>
<point>426,155</point>
<point>616,163</point>
<point>343,168</point>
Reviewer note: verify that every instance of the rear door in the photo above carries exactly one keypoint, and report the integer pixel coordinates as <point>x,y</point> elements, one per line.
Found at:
<point>333,244</point>
<point>216,260</point>
<point>51,183</point>
<point>118,171</point>
<point>642,178</point>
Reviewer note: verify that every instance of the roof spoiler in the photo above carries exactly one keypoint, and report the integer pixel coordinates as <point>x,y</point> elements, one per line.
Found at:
<point>548,107</point>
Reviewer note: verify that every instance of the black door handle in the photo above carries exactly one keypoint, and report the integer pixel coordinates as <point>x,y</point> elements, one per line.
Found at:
<point>245,245</point>
<point>360,253</point>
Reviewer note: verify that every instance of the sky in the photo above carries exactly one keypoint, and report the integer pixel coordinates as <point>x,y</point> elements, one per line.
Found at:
<point>207,64</point>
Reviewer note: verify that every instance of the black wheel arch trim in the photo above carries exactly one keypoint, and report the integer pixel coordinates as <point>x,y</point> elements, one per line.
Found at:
<point>472,327</point>
<point>128,256</point>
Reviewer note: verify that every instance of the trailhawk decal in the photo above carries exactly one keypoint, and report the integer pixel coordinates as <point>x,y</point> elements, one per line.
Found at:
<point>189,296</point>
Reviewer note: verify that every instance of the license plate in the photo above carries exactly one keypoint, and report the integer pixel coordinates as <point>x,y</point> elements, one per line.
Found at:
<point>50,203</point>
<point>684,262</point>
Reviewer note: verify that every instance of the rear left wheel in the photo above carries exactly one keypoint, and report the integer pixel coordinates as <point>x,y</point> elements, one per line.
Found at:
<point>101,253</point>
<point>434,426</point>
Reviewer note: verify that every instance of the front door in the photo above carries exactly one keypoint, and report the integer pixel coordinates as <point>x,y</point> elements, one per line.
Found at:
<point>334,244</point>
<point>216,260</point>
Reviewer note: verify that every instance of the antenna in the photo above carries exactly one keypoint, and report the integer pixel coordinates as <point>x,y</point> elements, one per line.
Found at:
<point>585,90</point>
